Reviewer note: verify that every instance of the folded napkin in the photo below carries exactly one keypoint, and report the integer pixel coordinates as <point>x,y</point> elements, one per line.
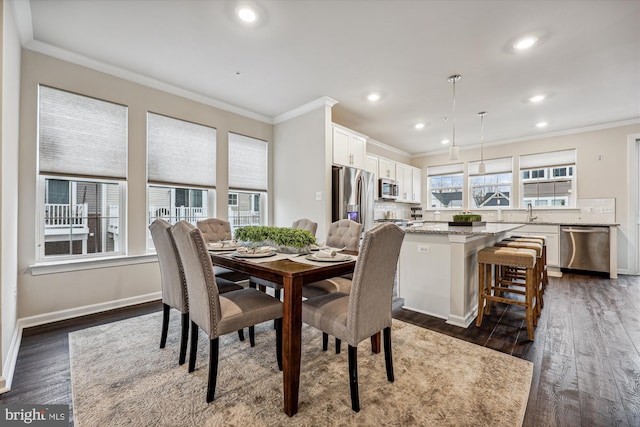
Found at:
<point>259,250</point>
<point>326,253</point>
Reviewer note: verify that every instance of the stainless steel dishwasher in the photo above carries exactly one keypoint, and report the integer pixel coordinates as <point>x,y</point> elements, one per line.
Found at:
<point>584,248</point>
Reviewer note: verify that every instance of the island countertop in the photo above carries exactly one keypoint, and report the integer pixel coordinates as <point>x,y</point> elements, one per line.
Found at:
<point>488,229</point>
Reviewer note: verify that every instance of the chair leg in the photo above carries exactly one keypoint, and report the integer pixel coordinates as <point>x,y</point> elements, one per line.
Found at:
<point>353,378</point>
<point>338,345</point>
<point>279,342</point>
<point>183,338</point>
<point>194,346</point>
<point>165,325</point>
<point>325,341</point>
<point>388,359</point>
<point>213,368</point>
<point>241,334</point>
<point>277,293</point>
<point>252,336</point>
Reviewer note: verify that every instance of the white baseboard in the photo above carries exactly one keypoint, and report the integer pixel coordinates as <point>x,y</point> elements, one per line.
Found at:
<point>41,319</point>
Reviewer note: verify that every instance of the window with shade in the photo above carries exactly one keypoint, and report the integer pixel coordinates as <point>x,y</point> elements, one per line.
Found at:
<point>548,179</point>
<point>181,162</point>
<point>493,188</point>
<point>247,180</point>
<point>445,184</point>
<point>82,170</point>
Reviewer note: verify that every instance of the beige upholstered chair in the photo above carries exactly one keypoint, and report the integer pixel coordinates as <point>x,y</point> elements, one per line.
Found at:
<point>217,314</point>
<point>174,286</point>
<point>342,234</point>
<point>305,224</point>
<point>365,311</point>
<point>215,230</point>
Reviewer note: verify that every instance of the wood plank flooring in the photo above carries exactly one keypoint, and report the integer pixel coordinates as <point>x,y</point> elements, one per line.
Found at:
<point>586,351</point>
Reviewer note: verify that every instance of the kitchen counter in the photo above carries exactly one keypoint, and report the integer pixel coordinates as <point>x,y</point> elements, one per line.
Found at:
<point>488,229</point>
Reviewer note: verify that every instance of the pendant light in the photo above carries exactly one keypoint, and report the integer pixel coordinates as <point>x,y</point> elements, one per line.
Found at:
<point>454,152</point>
<point>482,168</point>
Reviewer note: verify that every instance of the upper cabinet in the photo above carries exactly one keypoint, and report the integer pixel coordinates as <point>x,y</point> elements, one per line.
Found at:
<point>416,177</point>
<point>349,148</point>
<point>386,169</point>
<point>405,182</point>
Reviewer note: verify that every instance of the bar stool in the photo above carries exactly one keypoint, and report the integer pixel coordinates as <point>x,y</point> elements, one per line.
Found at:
<point>542,239</point>
<point>489,291</point>
<point>509,276</point>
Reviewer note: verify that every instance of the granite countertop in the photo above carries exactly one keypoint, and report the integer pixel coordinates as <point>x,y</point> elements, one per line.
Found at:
<point>586,224</point>
<point>489,229</point>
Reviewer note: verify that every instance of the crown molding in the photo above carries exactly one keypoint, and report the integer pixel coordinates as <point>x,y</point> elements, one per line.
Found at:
<point>389,147</point>
<point>323,101</point>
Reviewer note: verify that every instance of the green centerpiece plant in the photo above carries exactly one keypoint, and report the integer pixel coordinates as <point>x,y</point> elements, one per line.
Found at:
<point>467,218</point>
<point>288,240</point>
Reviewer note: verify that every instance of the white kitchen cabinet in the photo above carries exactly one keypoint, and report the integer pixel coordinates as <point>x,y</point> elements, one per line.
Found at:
<point>416,184</point>
<point>349,148</point>
<point>404,176</point>
<point>372,165</point>
<point>551,233</point>
<point>386,168</point>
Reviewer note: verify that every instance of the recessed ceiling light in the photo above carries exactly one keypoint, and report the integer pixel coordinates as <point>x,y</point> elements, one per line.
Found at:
<point>373,96</point>
<point>445,141</point>
<point>541,124</point>
<point>247,14</point>
<point>419,125</point>
<point>537,98</point>
<point>525,43</point>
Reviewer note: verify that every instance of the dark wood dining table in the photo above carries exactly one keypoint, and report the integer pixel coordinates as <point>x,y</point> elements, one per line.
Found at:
<point>292,276</point>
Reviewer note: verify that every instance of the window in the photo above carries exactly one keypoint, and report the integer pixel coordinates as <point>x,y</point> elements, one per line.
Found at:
<point>181,160</point>
<point>444,185</point>
<point>247,180</point>
<point>491,189</point>
<point>82,145</point>
<point>548,179</point>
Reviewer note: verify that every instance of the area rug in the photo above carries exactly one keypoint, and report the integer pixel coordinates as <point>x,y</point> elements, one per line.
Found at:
<point>119,376</point>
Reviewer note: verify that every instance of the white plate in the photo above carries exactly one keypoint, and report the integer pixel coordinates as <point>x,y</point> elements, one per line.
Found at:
<point>255,255</point>
<point>337,258</point>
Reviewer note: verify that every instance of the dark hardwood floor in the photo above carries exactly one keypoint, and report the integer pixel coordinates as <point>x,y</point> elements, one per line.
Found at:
<point>585,354</point>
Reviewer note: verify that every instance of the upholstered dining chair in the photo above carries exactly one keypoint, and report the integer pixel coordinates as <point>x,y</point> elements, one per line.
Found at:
<point>366,310</point>
<point>216,230</point>
<point>219,314</point>
<point>305,224</point>
<point>174,286</point>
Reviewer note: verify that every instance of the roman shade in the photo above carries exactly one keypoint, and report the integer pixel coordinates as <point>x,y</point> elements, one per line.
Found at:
<point>549,159</point>
<point>445,169</point>
<point>493,166</point>
<point>81,136</point>
<point>180,152</point>
<point>247,163</point>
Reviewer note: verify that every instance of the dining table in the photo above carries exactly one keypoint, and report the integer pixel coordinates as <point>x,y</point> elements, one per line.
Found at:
<point>292,275</point>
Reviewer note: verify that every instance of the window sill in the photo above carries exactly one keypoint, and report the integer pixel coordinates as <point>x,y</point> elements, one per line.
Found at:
<point>89,264</point>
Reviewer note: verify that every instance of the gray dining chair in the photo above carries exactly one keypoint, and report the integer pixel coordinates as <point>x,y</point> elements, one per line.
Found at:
<point>366,310</point>
<point>305,224</point>
<point>174,286</point>
<point>219,314</point>
<point>216,230</point>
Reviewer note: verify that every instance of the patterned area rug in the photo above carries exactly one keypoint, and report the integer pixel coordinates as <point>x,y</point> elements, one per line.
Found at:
<point>120,377</point>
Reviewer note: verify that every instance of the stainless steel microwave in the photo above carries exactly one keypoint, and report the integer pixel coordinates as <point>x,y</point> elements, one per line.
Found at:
<point>387,189</point>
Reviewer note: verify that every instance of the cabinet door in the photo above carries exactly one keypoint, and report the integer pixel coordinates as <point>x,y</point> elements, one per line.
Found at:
<point>551,233</point>
<point>341,155</point>
<point>405,182</point>
<point>358,151</point>
<point>386,169</point>
<point>416,179</point>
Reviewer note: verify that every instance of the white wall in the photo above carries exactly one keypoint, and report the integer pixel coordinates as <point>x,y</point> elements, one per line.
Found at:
<point>42,295</point>
<point>605,178</point>
<point>301,167</point>
<point>10,95</point>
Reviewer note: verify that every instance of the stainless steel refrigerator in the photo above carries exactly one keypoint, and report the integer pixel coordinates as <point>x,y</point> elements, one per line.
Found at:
<point>353,192</point>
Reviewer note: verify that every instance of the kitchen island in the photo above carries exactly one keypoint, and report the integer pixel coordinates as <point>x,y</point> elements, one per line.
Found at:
<point>438,268</point>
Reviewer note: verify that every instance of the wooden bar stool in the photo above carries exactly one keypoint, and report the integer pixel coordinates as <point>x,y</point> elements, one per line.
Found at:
<point>511,276</point>
<point>543,239</point>
<point>489,290</point>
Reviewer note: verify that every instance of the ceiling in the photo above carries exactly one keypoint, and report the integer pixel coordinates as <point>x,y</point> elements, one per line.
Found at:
<point>586,61</point>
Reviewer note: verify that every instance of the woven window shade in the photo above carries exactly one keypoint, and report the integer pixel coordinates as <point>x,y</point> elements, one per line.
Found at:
<point>445,169</point>
<point>180,152</point>
<point>553,158</point>
<point>82,136</point>
<point>247,163</point>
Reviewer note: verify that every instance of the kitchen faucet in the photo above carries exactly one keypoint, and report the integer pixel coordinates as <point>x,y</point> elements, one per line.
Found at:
<point>530,218</point>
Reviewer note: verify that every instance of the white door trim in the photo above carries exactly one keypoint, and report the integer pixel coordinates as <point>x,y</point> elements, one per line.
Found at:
<point>633,156</point>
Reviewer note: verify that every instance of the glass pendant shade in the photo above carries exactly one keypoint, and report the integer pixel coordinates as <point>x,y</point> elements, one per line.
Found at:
<point>482,168</point>
<point>454,153</point>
